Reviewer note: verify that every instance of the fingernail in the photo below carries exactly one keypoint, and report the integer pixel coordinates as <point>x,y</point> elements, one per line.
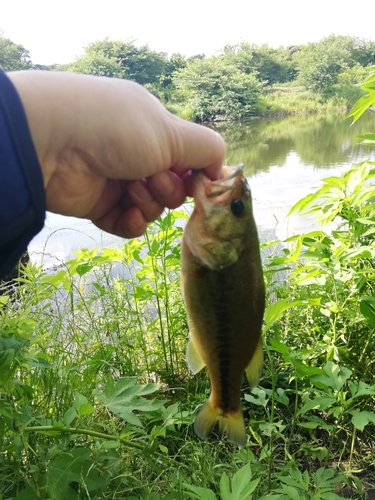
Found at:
<point>163,182</point>
<point>141,191</point>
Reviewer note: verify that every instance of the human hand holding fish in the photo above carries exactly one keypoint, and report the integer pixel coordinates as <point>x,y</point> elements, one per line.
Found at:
<point>223,288</point>
<point>108,149</point>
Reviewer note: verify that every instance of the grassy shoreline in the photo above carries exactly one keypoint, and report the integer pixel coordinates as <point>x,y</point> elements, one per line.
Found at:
<point>96,400</point>
<point>289,100</point>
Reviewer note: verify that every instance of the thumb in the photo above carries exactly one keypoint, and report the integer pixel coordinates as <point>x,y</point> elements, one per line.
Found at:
<point>197,147</point>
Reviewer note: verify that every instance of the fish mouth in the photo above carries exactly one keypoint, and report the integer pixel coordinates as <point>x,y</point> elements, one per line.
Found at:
<point>219,190</point>
<point>234,173</point>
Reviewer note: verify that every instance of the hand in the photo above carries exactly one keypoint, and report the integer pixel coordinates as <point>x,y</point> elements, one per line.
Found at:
<point>109,151</point>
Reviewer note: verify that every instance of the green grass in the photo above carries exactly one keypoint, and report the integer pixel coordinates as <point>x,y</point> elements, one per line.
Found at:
<point>301,102</point>
<point>289,99</point>
<point>96,400</point>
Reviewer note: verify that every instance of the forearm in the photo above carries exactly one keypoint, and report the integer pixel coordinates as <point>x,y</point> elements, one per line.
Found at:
<point>22,198</point>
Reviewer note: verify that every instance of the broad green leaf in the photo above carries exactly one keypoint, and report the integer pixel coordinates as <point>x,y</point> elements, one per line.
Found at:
<point>367,138</point>
<point>27,494</point>
<point>86,409</point>
<point>65,470</point>
<point>240,480</point>
<point>3,300</point>
<point>268,428</point>
<point>312,278</point>
<point>366,220</point>
<point>291,492</point>
<point>304,370</point>
<point>125,396</point>
<point>317,404</point>
<point>79,399</point>
<point>200,493</point>
<point>84,268</point>
<point>326,495</point>
<point>327,478</point>
<point>319,452</point>
<point>261,398</point>
<point>297,479</point>
<point>224,487</point>
<point>281,397</point>
<point>278,346</point>
<point>360,388</point>
<point>361,105</point>
<point>69,416</point>
<point>361,418</point>
<point>6,358</point>
<point>365,194</point>
<point>274,311</point>
<point>367,308</point>
<point>108,445</point>
<point>335,376</point>
<point>364,252</point>
<point>369,231</point>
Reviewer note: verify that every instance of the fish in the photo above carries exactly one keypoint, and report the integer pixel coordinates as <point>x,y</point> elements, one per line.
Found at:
<point>223,289</point>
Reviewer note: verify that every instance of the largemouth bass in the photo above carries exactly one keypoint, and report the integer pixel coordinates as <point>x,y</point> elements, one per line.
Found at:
<point>223,288</point>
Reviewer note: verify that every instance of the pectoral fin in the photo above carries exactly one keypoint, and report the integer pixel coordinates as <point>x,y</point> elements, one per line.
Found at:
<point>254,368</point>
<point>193,358</point>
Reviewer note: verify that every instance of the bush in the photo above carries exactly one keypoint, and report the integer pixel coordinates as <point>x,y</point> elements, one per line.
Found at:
<point>215,90</point>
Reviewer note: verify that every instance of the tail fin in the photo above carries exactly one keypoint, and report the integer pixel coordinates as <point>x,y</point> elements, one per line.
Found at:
<point>232,424</point>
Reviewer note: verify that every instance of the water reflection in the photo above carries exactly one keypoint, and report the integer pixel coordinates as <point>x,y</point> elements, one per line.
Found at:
<point>284,159</point>
<point>321,141</point>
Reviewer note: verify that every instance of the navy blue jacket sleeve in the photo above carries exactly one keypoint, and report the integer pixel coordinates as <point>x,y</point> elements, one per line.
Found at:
<point>22,195</point>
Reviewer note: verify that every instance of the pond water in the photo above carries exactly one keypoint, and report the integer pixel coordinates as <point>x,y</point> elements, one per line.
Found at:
<point>284,160</point>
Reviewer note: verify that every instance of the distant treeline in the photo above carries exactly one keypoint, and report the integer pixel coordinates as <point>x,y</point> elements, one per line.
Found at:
<point>241,81</point>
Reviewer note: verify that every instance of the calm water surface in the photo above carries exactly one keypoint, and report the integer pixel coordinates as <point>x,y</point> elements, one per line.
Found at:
<point>284,160</point>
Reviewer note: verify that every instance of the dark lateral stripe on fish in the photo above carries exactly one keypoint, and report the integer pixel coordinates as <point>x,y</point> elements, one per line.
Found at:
<point>222,293</point>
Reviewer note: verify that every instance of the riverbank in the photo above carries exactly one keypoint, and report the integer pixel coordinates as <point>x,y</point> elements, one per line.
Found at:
<point>282,101</point>
<point>287,101</point>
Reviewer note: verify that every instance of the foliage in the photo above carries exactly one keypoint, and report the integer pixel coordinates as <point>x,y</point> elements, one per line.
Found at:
<point>96,400</point>
<point>216,90</point>
<point>270,65</point>
<point>12,56</point>
<point>121,60</point>
<point>366,101</point>
<point>244,80</point>
<point>355,75</point>
<point>175,63</point>
<point>320,63</point>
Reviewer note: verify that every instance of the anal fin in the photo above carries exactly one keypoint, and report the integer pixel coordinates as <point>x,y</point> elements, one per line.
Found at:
<point>254,368</point>
<point>193,358</point>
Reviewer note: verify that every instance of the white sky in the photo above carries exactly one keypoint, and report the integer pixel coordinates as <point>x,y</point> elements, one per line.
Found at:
<point>56,31</point>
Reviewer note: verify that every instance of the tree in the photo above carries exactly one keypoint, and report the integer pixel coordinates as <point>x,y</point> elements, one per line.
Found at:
<point>121,60</point>
<point>175,63</point>
<point>270,65</point>
<point>216,90</point>
<point>363,51</point>
<point>12,56</point>
<point>319,64</point>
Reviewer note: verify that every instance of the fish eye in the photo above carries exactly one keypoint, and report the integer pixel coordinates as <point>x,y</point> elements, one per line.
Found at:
<point>237,207</point>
